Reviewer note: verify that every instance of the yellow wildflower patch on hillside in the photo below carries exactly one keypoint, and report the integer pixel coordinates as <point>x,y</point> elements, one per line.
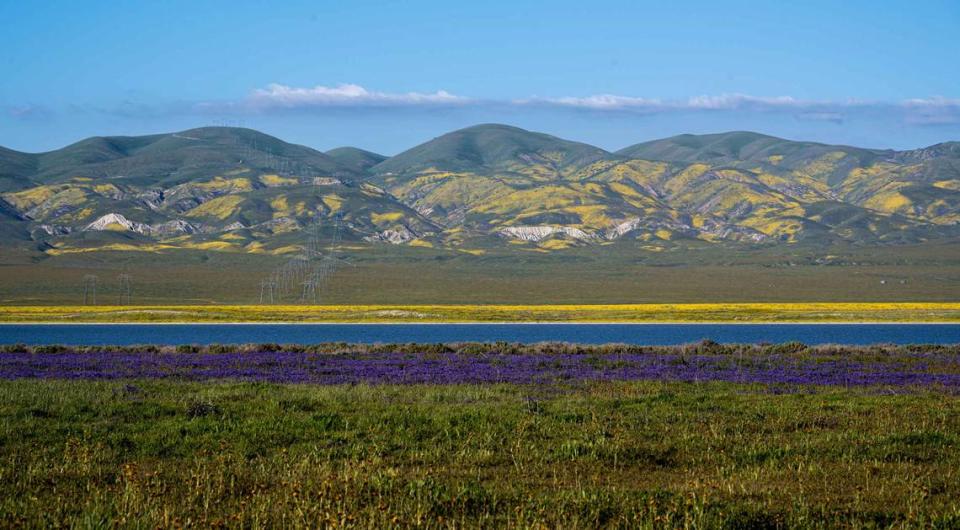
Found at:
<point>389,217</point>
<point>77,216</point>
<point>592,215</point>
<point>26,199</point>
<point>557,244</point>
<point>255,247</point>
<point>289,249</point>
<point>220,207</point>
<point>123,247</point>
<point>220,184</point>
<point>280,207</point>
<point>106,189</point>
<point>276,180</point>
<point>824,165</point>
<point>211,245</point>
<point>333,201</point>
<point>776,227</point>
<point>948,184</point>
<point>550,197</point>
<point>683,179</point>
<point>892,202</point>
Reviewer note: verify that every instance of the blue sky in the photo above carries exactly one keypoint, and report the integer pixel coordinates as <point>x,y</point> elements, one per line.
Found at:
<point>387,75</point>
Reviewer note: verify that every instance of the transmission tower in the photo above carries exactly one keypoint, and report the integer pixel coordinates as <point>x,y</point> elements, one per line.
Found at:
<point>309,291</point>
<point>90,289</point>
<point>329,264</point>
<point>267,288</point>
<point>126,291</point>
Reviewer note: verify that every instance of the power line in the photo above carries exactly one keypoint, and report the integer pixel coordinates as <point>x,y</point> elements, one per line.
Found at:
<point>90,289</point>
<point>126,291</point>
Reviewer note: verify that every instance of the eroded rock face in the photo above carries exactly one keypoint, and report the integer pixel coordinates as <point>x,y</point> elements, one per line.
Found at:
<point>54,230</point>
<point>111,220</point>
<point>114,221</point>
<point>539,233</point>
<point>396,236</point>
<point>177,226</point>
<point>625,228</point>
<point>326,181</point>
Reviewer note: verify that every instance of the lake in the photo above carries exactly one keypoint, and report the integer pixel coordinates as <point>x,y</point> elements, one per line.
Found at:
<point>643,334</point>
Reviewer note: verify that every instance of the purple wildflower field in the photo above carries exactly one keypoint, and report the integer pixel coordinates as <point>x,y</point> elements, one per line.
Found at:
<point>940,370</point>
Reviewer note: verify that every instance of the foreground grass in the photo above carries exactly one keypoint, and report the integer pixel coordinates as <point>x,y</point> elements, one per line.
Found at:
<point>640,454</point>
<point>745,312</point>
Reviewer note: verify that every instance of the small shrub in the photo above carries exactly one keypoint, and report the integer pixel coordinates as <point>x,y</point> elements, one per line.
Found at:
<point>50,348</point>
<point>786,348</point>
<point>199,409</point>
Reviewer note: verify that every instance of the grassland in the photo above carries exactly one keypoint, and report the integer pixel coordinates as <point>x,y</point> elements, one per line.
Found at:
<point>636,313</point>
<point>614,274</point>
<point>618,454</point>
<point>620,284</point>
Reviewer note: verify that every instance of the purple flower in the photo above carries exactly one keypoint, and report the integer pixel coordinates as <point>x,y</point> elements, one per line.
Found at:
<point>901,370</point>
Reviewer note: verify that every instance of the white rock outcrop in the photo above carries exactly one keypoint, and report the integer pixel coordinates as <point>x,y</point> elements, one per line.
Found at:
<point>112,220</point>
<point>539,233</point>
<point>396,236</point>
<point>54,230</point>
<point>177,226</point>
<point>326,181</point>
<point>115,219</point>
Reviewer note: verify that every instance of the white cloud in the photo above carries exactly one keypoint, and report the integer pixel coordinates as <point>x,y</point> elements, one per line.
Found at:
<point>938,102</point>
<point>916,111</point>
<point>736,101</point>
<point>597,102</point>
<point>277,97</point>
<point>932,111</point>
<point>721,102</point>
<point>344,95</point>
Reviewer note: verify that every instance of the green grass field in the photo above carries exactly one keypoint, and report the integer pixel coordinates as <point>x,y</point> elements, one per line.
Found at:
<point>631,455</point>
<point>615,274</point>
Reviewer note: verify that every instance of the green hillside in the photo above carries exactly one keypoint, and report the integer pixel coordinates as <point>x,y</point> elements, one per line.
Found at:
<point>355,158</point>
<point>493,148</point>
<point>738,148</point>
<point>215,188</point>
<point>474,190</point>
<point>178,157</point>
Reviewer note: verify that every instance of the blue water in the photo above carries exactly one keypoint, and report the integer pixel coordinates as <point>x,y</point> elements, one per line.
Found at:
<point>646,334</point>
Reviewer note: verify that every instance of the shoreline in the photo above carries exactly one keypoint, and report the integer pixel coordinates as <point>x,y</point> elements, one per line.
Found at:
<point>503,323</point>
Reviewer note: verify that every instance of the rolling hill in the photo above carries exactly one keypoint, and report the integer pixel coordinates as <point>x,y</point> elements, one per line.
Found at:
<point>238,190</point>
<point>494,149</point>
<point>355,158</point>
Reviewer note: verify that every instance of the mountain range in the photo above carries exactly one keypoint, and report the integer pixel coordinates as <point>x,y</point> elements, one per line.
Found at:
<point>239,190</point>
